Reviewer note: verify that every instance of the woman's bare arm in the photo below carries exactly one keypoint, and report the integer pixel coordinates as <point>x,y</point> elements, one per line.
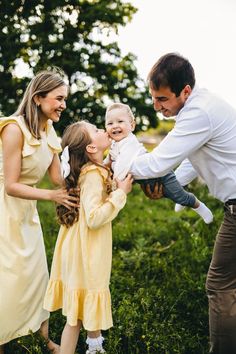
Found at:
<point>12,142</point>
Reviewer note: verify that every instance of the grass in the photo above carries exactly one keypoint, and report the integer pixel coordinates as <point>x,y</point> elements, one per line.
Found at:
<point>160,261</point>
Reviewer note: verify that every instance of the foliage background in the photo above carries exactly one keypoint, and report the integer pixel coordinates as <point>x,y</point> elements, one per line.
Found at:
<point>160,257</point>
<point>75,35</point>
<point>160,261</point>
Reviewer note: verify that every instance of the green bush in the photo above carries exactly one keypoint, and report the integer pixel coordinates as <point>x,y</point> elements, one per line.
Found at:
<point>160,261</point>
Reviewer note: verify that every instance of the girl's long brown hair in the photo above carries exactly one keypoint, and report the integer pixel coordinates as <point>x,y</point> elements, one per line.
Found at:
<point>76,137</point>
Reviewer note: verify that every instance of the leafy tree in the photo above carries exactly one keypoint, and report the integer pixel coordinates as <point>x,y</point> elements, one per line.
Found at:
<point>73,35</point>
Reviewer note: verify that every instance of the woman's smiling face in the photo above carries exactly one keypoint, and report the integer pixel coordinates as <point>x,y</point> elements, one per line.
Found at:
<point>52,105</point>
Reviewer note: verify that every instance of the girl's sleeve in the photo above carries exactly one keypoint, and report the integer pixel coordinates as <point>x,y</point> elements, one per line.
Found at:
<point>97,210</point>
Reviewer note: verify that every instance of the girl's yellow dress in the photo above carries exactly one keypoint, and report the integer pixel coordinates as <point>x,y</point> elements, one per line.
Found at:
<point>23,265</point>
<point>81,267</point>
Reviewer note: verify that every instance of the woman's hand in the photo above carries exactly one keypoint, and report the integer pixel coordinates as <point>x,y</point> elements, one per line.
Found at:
<point>126,184</point>
<point>68,199</point>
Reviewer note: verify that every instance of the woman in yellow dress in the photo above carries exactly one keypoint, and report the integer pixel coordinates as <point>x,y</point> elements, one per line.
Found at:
<point>28,148</point>
<point>81,267</point>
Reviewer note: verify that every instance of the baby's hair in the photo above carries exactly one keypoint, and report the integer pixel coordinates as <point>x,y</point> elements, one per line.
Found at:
<point>76,137</point>
<point>119,105</point>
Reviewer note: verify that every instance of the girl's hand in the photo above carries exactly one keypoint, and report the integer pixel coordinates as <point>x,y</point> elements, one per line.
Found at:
<point>61,196</point>
<point>126,184</point>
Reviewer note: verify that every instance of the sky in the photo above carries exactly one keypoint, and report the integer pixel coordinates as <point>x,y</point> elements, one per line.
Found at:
<point>204,31</point>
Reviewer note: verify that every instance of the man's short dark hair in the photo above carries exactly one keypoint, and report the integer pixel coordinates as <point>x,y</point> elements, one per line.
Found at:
<point>173,71</point>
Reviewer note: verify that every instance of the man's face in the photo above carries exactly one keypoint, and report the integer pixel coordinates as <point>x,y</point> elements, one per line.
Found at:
<point>166,102</point>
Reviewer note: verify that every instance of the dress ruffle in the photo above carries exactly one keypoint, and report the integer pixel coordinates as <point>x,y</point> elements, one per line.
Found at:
<point>92,307</point>
<point>30,143</point>
<point>92,167</point>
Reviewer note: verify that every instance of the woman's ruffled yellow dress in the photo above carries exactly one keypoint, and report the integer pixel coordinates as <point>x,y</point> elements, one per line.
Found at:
<point>80,274</point>
<point>23,265</point>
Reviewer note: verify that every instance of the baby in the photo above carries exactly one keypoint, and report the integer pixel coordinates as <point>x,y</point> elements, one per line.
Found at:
<point>120,123</point>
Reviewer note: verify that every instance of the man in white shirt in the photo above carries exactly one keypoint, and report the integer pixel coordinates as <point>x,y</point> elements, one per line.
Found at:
<point>205,133</point>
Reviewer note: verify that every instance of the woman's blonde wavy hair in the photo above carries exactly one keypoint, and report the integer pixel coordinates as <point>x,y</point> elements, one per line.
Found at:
<point>43,82</point>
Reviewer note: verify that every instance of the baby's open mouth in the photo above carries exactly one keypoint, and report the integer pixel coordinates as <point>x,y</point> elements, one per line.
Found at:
<point>115,132</point>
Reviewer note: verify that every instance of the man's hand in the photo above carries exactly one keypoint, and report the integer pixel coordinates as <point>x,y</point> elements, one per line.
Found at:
<point>156,193</point>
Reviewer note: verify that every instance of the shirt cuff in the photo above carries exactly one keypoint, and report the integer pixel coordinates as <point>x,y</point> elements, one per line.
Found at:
<point>118,198</point>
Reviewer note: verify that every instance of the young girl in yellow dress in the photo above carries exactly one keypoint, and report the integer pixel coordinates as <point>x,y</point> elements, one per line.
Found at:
<point>81,267</point>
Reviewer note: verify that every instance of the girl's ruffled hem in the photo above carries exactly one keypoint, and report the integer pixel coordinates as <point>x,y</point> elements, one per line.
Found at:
<point>92,307</point>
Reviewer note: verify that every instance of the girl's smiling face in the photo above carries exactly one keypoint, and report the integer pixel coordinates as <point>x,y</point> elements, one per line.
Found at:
<point>119,124</point>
